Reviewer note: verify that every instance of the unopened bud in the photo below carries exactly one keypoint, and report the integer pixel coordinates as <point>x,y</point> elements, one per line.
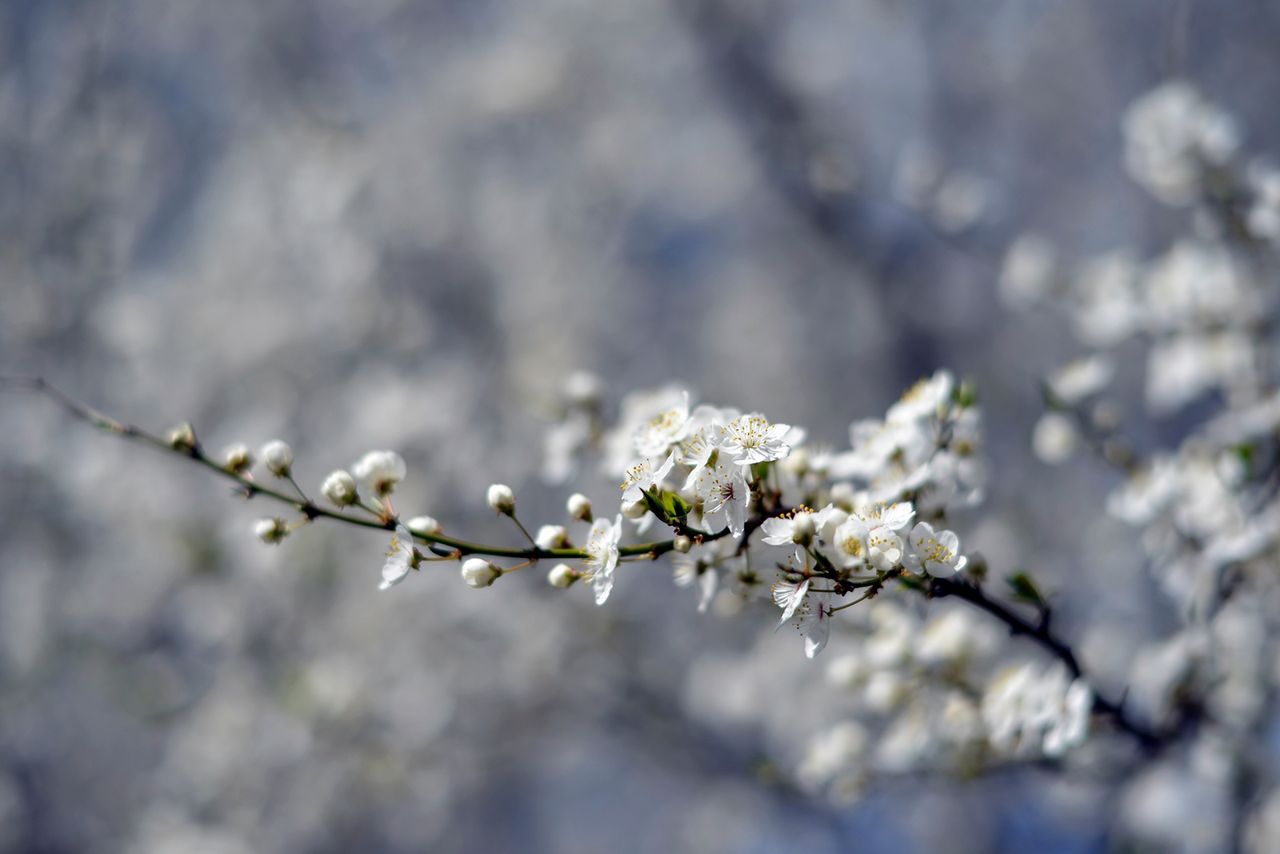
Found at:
<point>427,525</point>
<point>502,499</point>
<point>478,572</point>
<point>340,488</point>
<point>552,537</point>
<point>562,575</point>
<point>843,496</point>
<point>797,462</point>
<point>271,530</point>
<point>682,544</point>
<point>237,458</point>
<point>635,509</point>
<point>182,437</point>
<point>278,458</point>
<point>802,528</point>
<point>582,388</point>
<point>579,507</point>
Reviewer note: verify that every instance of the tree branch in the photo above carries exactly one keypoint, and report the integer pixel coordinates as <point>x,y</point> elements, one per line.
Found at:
<point>1149,740</point>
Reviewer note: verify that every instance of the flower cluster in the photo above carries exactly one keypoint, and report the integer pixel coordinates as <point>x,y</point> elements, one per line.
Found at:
<point>758,519</point>
<point>756,515</point>
<point>1206,510</point>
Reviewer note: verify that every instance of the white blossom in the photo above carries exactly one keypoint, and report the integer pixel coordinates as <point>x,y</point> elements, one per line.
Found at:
<point>1171,134</point>
<point>752,439</point>
<point>380,471</point>
<point>789,596</point>
<point>722,489</point>
<point>937,553</point>
<point>643,476</point>
<point>1081,379</point>
<point>1028,272</point>
<point>602,555</point>
<point>814,622</point>
<point>655,436</point>
<point>401,557</point>
<point>1054,438</point>
<point>690,571</point>
<point>1032,711</point>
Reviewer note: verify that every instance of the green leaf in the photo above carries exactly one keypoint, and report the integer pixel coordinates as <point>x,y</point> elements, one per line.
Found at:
<point>1051,401</point>
<point>1245,453</point>
<point>911,582</point>
<point>1024,589</point>
<point>966,394</point>
<point>667,506</point>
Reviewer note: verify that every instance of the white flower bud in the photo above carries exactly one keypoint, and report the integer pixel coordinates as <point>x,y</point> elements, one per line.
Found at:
<point>380,471</point>
<point>424,525</point>
<point>562,575</point>
<point>552,537</point>
<point>843,495</point>
<point>579,507</point>
<point>635,509</point>
<point>278,458</point>
<point>1054,438</point>
<point>340,488</point>
<point>682,544</point>
<point>478,572</point>
<point>802,528</point>
<point>237,458</point>
<point>797,462</point>
<point>502,499</point>
<point>182,437</point>
<point>271,530</point>
<point>582,388</point>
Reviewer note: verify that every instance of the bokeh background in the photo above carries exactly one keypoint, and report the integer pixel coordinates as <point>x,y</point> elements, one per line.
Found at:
<point>357,224</point>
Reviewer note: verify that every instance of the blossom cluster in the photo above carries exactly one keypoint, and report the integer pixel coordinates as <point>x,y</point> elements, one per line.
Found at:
<point>1206,510</point>
<point>916,686</point>
<point>758,518</point>
<point>831,523</point>
<point>755,513</point>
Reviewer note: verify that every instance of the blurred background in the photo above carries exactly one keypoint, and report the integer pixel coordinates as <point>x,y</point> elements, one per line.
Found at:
<point>357,224</point>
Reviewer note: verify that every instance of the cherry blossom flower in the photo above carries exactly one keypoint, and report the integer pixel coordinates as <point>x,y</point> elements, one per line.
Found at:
<point>789,596</point>
<point>814,622</point>
<point>689,571</point>
<point>723,490</point>
<point>643,476</point>
<point>380,471</point>
<point>752,439</point>
<point>937,553</point>
<point>401,557</point>
<point>656,435</point>
<point>602,555</point>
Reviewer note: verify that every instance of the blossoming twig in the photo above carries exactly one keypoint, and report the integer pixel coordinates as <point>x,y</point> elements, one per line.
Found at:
<point>974,595</point>
<point>250,488</point>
